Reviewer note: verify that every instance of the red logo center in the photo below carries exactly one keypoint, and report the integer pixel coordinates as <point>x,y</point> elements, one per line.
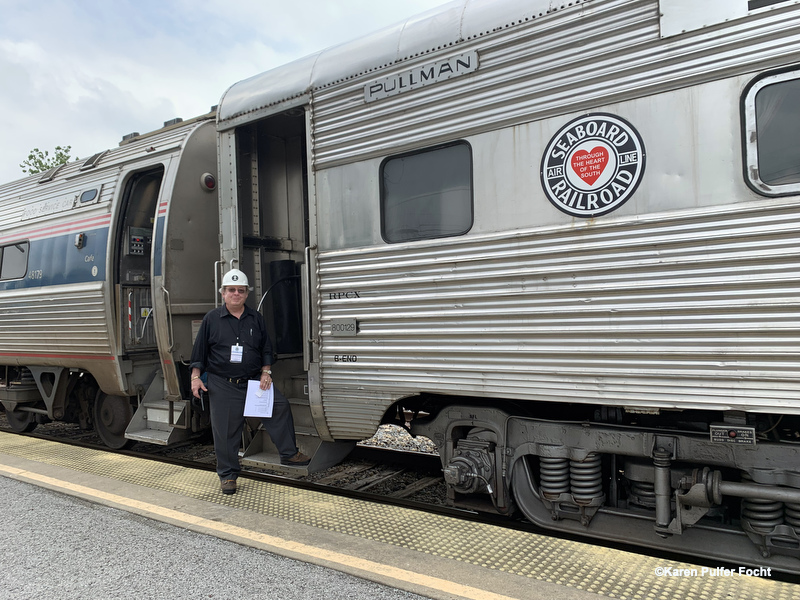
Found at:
<point>590,165</point>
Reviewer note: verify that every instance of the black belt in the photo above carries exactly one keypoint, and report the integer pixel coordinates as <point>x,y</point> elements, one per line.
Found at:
<point>242,381</point>
<point>238,380</point>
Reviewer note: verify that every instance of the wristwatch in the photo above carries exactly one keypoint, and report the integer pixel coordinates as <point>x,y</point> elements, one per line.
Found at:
<point>266,372</point>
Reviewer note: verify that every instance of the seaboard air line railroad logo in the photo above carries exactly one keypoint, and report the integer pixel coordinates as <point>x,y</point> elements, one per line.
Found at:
<point>593,165</point>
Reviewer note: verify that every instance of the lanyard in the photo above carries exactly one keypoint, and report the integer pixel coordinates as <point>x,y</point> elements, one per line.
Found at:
<point>238,334</point>
<point>236,350</point>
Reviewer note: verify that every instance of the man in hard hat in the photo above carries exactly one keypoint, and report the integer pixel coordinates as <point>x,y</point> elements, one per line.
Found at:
<point>232,346</point>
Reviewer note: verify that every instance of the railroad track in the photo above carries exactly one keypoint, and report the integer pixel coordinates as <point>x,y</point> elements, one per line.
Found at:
<point>404,477</point>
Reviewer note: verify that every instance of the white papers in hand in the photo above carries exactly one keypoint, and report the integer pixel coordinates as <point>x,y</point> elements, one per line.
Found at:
<point>258,402</point>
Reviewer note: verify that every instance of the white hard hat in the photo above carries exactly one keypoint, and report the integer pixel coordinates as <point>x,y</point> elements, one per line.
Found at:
<point>234,277</point>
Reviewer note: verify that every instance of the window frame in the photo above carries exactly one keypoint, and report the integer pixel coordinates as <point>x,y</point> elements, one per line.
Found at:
<point>752,174</point>
<point>756,4</point>
<point>419,151</point>
<point>3,248</point>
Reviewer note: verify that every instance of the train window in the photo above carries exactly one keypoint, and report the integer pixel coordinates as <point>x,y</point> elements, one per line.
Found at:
<point>88,195</point>
<point>427,194</point>
<point>754,4</point>
<point>14,262</point>
<point>772,128</point>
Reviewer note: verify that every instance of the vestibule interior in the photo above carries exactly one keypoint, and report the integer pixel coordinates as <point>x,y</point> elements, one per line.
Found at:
<point>273,214</point>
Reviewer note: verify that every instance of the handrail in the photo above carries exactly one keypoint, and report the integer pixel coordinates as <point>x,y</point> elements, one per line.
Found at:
<point>131,336</point>
<point>307,308</point>
<point>169,319</point>
<point>309,322</point>
<point>269,289</point>
<point>216,282</point>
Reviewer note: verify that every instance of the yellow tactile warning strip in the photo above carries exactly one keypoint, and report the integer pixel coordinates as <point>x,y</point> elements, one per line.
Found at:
<point>303,551</point>
<point>604,571</point>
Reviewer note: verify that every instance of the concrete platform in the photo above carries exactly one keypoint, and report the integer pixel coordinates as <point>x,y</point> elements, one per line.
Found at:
<point>434,556</point>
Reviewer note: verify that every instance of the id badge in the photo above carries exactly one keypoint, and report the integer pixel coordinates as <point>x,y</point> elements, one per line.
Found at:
<point>236,353</point>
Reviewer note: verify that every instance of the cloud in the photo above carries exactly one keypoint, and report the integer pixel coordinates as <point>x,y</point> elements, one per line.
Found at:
<point>84,73</point>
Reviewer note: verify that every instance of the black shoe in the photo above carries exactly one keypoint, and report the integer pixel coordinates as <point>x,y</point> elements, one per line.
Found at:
<point>228,486</point>
<point>298,460</point>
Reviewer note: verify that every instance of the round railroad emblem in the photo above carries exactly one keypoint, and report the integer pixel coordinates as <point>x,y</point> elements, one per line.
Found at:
<point>593,165</point>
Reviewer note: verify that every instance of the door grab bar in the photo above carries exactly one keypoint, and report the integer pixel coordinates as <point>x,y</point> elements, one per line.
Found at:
<point>169,319</point>
<point>309,322</point>
<point>131,336</point>
<point>308,348</point>
<point>216,282</point>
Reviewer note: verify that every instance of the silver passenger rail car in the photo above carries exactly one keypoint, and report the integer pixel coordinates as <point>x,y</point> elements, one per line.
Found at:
<point>101,279</point>
<point>560,240</point>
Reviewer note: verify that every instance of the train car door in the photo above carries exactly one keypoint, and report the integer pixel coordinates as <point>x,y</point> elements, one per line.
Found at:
<point>134,244</point>
<point>273,244</point>
<point>273,218</point>
<point>185,244</point>
<point>178,232</point>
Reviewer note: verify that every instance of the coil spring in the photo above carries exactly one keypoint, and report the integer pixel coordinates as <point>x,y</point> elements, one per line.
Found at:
<point>26,376</point>
<point>22,377</point>
<point>761,515</point>
<point>553,475</point>
<point>586,478</point>
<point>643,493</point>
<point>792,514</point>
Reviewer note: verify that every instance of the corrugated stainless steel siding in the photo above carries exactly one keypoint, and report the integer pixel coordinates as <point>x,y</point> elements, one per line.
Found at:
<point>46,322</point>
<point>16,195</point>
<point>288,86</point>
<point>697,309</point>
<point>355,414</point>
<point>574,59</point>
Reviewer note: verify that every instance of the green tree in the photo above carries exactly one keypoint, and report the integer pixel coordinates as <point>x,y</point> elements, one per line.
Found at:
<point>38,161</point>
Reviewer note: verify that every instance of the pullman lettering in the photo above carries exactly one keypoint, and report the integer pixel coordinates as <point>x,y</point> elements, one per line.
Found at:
<point>421,76</point>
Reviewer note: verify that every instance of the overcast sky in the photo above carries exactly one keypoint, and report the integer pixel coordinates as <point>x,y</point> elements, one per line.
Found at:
<point>85,72</point>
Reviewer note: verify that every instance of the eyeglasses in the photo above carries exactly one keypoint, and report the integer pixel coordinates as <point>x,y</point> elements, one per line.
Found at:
<point>234,290</point>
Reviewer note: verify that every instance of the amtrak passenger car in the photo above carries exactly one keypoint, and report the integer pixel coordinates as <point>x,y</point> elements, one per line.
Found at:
<point>104,264</point>
<point>559,239</point>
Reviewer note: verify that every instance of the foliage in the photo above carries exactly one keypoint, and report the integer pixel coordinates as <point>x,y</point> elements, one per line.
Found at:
<point>38,161</point>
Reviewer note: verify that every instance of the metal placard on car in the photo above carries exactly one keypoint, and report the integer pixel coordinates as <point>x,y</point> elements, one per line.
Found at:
<point>344,327</point>
<point>731,434</point>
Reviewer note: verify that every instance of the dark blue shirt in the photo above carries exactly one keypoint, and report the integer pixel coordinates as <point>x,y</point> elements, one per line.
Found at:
<point>219,331</point>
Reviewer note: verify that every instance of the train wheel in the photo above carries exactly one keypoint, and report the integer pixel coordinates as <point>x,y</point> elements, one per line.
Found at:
<point>111,417</point>
<point>21,421</point>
